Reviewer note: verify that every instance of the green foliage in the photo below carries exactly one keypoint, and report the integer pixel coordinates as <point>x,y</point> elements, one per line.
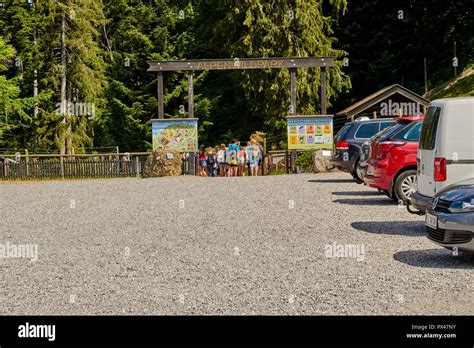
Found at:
<point>279,29</point>
<point>138,31</point>
<point>108,42</point>
<point>13,108</point>
<point>387,42</point>
<point>463,85</point>
<point>305,160</point>
<point>279,172</point>
<point>85,71</point>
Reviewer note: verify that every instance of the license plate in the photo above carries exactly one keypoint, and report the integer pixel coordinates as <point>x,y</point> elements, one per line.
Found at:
<point>431,221</point>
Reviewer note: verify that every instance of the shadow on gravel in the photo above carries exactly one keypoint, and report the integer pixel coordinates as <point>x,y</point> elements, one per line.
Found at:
<point>435,258</point>
<point>400,228</point>
<point>334,181</point>
<point>359,201</point>
<point>356,193</point>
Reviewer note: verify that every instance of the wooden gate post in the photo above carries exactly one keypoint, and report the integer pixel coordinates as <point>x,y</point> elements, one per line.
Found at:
<point>293,111</point>
<point>323,91</point>
<point>137,166</point>
<point>161,111</point>
<point>190,95</point>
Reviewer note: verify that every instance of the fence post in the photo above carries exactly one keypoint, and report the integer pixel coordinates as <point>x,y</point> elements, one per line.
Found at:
<point>270,164</point>
<point>27,163</point>
<point>287,165</point>
<point>137,166</point>
<point>192,164</point>
<point>196,164</point>
<point>293,161</point>
<point>62,166</point>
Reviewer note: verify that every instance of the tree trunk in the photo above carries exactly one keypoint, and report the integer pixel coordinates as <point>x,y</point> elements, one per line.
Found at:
<point>35,81</point>
<point>64,136</point>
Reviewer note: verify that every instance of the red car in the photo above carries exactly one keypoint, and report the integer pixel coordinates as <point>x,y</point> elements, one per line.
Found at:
<point>392,163</point>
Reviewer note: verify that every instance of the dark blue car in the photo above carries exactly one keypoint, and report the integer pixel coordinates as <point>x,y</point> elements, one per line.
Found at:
<point>349,140</point>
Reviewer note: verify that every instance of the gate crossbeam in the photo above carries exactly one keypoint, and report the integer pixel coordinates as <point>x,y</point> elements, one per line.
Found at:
<point>291,63</point>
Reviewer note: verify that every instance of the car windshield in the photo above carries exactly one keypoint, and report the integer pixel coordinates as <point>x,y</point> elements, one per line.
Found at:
<point>389,131</point>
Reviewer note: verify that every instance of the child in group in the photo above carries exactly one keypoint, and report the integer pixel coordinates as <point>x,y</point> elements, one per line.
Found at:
<point>230,161</point>
<point>202,161</point>
<point>242,155</point>
<point>211,162</point>
<point>216,165</point>
<point>221,160</point>
<point>229,154</point>
<point>249,173</point>
<point>255,153</point>
<point>234,165</point>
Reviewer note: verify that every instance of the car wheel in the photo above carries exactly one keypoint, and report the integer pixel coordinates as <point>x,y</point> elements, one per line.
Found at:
<point>355,174</point>
<point>405,185</point>
<point>356,179</point>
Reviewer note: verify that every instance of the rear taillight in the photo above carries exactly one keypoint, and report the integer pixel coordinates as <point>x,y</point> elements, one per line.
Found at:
<point>385,147</point>
<point>439,173</point>
<point>373,150</point>
<point>342,145</point>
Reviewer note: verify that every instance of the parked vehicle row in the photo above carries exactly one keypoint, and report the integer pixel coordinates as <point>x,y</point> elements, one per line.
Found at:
<point>391,166</point>
<point>349,139</point>
<point>424,161</point>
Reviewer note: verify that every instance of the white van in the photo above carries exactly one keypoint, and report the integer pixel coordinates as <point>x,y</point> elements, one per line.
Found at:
<point>446,149</point>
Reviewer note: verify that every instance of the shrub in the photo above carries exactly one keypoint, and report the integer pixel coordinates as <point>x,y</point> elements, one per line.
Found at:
<point>305,160</point>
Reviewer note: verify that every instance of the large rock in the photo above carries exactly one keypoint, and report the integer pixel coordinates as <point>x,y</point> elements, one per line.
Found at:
<point>321,161</point>
<point>163,163</point>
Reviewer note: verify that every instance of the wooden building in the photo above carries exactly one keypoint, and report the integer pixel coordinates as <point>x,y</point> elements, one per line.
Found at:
<point>390,101</point>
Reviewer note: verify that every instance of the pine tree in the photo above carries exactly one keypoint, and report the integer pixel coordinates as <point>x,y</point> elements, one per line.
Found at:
<point>73,70</point>
<point>138,31</point>
<point>17,26</point>
<point>279,29</point>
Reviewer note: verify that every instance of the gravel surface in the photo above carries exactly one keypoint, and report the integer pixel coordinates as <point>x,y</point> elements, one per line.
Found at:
<point>190,245</point>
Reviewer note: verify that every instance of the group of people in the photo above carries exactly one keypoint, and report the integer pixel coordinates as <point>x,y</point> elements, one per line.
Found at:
<point>233,160</point>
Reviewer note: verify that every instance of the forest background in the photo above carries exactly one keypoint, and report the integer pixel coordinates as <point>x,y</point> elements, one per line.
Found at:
<point>73,73</point>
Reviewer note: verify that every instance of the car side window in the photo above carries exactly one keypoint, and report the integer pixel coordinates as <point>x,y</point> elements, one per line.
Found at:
<point>410,133</point>
<point>366,130</point>
<point>342,133</point>
<point>384,125</point>
<point>414,133</point>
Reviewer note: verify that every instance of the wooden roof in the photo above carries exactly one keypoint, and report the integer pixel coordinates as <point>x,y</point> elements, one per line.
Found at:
<point>379,96</point>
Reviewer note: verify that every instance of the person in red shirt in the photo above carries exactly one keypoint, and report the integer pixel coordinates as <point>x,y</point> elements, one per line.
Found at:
<point>202,161</point>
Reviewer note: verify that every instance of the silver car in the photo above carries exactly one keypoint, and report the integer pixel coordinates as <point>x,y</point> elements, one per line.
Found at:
<point>449,219</point>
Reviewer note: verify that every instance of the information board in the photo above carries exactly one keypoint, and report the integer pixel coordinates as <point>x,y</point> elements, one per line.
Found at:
<point>175,134</point>
<point>310,132</point>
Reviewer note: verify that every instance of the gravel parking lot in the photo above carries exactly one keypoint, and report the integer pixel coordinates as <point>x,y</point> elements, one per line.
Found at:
<point>190,245</point>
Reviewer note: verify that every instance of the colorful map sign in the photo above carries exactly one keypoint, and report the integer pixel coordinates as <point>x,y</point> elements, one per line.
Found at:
<point>310,132</point>
<point>175,134</point>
